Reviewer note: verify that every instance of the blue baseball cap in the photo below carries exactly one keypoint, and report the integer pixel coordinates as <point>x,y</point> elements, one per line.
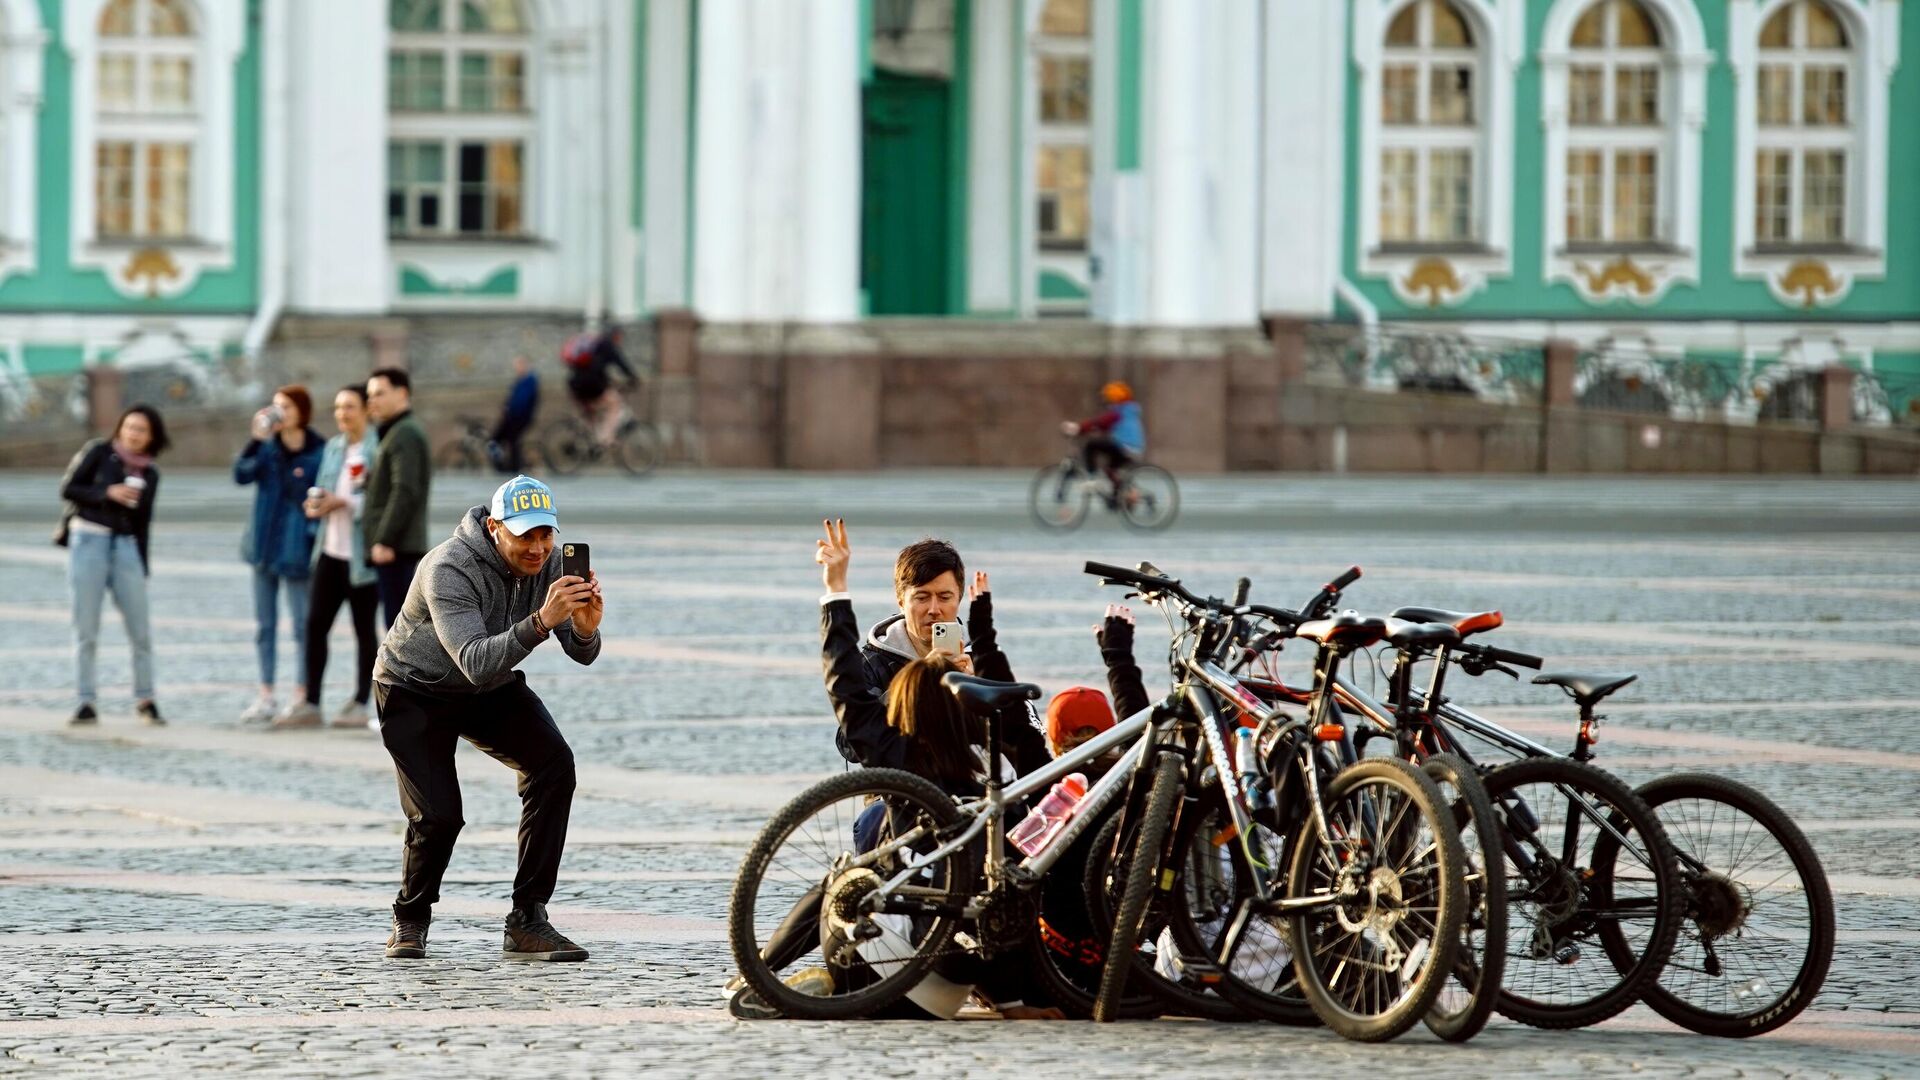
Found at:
<point>523,503</point>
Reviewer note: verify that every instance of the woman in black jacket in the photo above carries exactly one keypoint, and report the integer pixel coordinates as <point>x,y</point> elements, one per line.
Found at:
<point>109,490</point>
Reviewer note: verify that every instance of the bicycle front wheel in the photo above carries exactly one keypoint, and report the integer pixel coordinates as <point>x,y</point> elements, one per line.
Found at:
<point>637,448</point>
<point>459,455</point>
<point>1058,497</point>
<point>1587,862</point>
<point>1143,872</point>
<point>1757,938</point>
<point>567,446</point>
<point>1473,987</point>
<point>805,926</point>
<point>1374,955</point>
<point>1148,498</point>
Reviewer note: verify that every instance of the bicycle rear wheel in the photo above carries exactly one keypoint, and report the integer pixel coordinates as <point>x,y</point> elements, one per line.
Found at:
<point>1757,937</point>
<point>800,904</point>
<point>1148,498</point>
<point>1143,873</point>
<point>567,445</point>
<point>1583,853</point>
<point>1372,959</point>
<point>1058,497</point>
<point>1470,993</point>
<point>459,455</point>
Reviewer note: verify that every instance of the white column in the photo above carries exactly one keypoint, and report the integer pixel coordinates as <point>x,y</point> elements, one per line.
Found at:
<point>1199,151</point>
<point>1303,156</point>
<point>777,161</point>
<point>668,134</point>
<point>338,158</point>
<point>993,160</point>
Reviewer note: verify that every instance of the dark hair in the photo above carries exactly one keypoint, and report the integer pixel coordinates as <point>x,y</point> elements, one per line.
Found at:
<point>358,390</point>
<point>940,734</point>
<point>159,443</point>
<point>301,400</point>
<point>924,560</point>
<point>396,378</point>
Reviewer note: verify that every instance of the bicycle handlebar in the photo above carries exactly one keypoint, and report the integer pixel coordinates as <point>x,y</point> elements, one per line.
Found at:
<point>1500,656</point>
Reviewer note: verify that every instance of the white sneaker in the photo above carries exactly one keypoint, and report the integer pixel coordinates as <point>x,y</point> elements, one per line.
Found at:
<point>373,724</point>
<point>260,712</point>
<point>351,715</point>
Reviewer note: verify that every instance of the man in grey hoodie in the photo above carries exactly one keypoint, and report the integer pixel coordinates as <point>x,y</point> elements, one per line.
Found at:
<point>478,606</point>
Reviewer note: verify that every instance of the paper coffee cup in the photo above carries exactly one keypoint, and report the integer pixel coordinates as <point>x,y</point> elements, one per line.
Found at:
<point>137,483</point>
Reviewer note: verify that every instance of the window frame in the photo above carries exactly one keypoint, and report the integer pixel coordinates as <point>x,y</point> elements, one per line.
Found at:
<point>1050,135</point>
<point>1425,139</point>
<point>451,126</point>
<point>146,128</point>
<point>1610,137</point>
<point>1801,141</point>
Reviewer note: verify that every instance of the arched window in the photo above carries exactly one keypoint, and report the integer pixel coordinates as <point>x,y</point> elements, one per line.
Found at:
<point>1430,117</point>
<point>1617,121</point>
<point>1803,153</point>
<point>1062,46</point>
<point>148,121</point>
<point>460,119</point>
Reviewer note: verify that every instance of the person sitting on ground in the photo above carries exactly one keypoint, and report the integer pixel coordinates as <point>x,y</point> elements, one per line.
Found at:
<point>927,578</point>
<point>1119,432</point>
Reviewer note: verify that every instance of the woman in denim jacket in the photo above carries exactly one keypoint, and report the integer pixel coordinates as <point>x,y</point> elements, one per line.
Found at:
<point>281,460</point>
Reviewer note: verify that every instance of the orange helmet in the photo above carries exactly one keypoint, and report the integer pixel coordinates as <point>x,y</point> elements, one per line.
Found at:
<point>1116,392</point>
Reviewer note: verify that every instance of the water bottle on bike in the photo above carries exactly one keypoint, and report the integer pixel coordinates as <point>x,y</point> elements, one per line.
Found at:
<point>1039,827</point>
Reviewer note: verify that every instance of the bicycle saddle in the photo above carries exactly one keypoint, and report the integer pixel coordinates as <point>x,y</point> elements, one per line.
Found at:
<point>1467,622</point>
<point>1409,636</point>
<point>1348,629</point>
<point>984,696</point>
<point>1585,689</point>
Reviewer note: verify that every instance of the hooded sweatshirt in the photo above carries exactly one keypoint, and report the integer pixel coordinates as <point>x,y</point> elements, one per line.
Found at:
<point>468,618</point>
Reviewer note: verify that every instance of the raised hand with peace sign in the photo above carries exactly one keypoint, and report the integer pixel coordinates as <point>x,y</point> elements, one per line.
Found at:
<point>833,554</point>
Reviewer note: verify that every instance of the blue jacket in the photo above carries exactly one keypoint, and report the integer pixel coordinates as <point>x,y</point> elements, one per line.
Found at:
<point>1130,430</point>
<point>523,399</point>
<point>279,537</point>
<point>334,458</point>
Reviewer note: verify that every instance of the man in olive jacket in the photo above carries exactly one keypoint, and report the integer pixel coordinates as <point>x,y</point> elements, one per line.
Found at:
<point>394,516</point>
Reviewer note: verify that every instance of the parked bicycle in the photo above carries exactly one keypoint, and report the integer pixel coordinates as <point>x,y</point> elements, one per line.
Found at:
<point>1145,496</point>
<point>473,451</point>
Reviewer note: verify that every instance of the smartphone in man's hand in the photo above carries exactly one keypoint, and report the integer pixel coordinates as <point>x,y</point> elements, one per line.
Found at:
<point>574,561</point>
<point>947,639</point>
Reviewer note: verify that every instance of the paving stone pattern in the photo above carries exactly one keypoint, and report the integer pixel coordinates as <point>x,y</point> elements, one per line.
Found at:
<point>205,898</point>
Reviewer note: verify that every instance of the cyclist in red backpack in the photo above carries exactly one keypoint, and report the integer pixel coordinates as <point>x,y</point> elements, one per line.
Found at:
<point>589,357</point>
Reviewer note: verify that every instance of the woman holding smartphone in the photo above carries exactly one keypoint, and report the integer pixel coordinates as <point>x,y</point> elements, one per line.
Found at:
<point>109,490</point>
<point>281,460</point>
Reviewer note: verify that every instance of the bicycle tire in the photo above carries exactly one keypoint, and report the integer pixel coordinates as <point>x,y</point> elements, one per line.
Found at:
<point>1448,887</point>
<point>1145,510</point>
<point>1582,889</point>
<point>1143,870</point>
<point>567,446</point>
<point>637,448</point>
<point>458,455</point>
<point>1279,1004</point>
<point>1799,992</point>
<point>1073,993</point>
<point>1056,497</point>
<point>741,935</point>
<point>1163,994</point>
<point>1482,961</point>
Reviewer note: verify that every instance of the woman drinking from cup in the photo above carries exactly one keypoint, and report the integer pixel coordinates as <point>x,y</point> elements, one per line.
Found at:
<point>281,460</point>
<point>109,490</point>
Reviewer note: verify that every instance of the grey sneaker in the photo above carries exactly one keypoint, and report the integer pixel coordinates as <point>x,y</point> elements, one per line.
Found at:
<point>300,714</point>
<point>531,937</point>
<point>351,715</point>
<point>408,941</point>
<point>260,712</point>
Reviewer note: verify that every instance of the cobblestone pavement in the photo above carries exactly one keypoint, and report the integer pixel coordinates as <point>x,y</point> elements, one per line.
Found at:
<point>206,898</point>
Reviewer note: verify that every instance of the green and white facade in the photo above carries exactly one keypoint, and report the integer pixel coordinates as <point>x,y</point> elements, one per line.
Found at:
<point>1723,178</point>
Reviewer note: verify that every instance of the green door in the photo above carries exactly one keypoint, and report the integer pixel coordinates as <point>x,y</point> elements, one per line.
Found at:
<point>905,189</point>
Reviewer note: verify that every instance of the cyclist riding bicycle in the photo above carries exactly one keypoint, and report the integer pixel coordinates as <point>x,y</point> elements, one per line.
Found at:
<point>591,356</point>
<point>1119,433</point>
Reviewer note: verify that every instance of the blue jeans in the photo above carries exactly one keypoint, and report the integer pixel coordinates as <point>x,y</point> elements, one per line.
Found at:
<point>95,565</point>
<point>266,588</point>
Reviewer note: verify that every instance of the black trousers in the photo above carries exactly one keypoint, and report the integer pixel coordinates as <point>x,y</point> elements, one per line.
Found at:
<point>509,435</point>
<point>509,725</point>
<point>1102,452</point>
<point>393,580</point>
<point>331,587</point>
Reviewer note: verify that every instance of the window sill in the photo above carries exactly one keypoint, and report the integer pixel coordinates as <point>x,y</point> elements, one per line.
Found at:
<point>110,245</point>
<point>1595,250</point>
<point>1788,251</point>
<point>519,240</point>
<point>1458,249</point>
